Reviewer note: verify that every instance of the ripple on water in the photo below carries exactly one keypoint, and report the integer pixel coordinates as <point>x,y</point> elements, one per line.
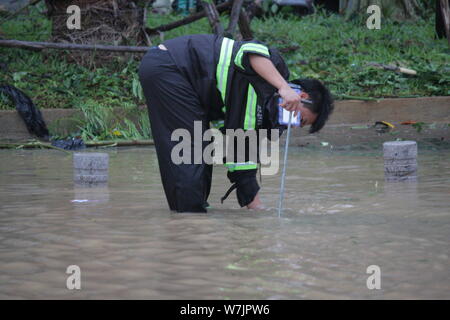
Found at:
<point>336,221</point>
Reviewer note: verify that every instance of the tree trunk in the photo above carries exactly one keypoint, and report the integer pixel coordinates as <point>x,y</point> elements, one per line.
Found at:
<point>399,10</point>
<point>109,22</point>
<point>191,18</point>
<point>443,19</point>
<point>234,18</point>
<point>12,6</point>
<point>213,16</point>
<point>244,25</point>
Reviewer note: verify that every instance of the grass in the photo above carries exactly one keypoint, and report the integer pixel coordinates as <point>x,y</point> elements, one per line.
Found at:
<point>102,122</point>
<point>337,53</point>
<point>329,49</point>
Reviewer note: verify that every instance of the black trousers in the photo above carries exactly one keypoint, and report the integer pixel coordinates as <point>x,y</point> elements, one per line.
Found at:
<point>173,104</point>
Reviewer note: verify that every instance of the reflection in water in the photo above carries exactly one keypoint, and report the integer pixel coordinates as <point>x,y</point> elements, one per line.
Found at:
<point>91,195</point>
<point>340,217</point>
<point>405,190</point>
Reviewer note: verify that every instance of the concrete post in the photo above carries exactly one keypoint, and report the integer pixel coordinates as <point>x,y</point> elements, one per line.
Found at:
<point>400,160</point>
<point>90,168</point>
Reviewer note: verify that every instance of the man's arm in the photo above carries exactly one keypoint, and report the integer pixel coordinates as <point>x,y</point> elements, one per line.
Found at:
<point>265,68</point>
<point>291,100</point>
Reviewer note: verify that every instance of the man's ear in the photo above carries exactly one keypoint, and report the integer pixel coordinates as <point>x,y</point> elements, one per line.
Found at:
<point>304,95</point>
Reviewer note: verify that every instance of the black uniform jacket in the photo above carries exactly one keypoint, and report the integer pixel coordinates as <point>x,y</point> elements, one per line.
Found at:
<point>228,88</point>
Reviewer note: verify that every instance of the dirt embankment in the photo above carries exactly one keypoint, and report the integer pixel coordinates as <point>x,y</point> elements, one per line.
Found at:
<point>352,123</point>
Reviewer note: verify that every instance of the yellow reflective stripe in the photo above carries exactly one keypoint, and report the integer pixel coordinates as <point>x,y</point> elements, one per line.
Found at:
<point>231,166</point>
<point>250,111</point>
<point>250,47</point>
<point>259,48</point>
<point>226,52</point>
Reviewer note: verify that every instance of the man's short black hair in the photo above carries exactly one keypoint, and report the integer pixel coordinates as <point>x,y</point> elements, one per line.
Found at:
<point>321,98</point>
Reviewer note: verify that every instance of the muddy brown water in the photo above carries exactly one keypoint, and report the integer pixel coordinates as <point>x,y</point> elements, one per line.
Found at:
<point>340,218</point>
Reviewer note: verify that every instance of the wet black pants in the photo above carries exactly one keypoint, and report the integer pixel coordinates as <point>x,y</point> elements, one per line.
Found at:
<point>173,104</point>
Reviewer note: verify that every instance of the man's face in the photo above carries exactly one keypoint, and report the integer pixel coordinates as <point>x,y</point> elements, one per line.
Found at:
<point>308,117</point>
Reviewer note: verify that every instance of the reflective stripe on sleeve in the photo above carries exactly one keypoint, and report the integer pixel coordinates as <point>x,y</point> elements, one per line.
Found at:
<point>250,47</point>
<point>226,52</point>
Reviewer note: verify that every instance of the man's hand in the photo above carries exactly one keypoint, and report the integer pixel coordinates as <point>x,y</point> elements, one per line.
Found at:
<point>265,68</point>
<point>291,99</point>
<point>256,204</point>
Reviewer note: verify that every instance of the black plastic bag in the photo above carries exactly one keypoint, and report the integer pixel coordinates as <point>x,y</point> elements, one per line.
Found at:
<point>28,111</point>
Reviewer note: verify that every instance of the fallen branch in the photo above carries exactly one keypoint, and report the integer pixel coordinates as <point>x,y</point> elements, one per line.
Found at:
<point>30,145</point>
<point>197,16</point>
<point>347,97</point>
<point>392,68</point>
<point>32,45</point>
<point>108,145</point>
<point>113,143</point>
<point>119,143</point>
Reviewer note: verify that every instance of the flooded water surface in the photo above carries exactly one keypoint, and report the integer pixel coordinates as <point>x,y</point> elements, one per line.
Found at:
<point>340,218</point>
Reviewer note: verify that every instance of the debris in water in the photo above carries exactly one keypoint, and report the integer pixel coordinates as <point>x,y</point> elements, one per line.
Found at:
<point>234,267</point>
<point>383,126</point>
<point>69,144</point>
<point>408,122</point>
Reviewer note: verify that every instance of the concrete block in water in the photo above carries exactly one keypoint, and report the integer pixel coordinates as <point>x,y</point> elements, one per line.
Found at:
<point>90,168</point>
<point>400,160</point>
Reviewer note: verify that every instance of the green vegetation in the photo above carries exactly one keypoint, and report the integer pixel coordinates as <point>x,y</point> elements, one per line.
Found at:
<point>320,46</point>
<point>337,53</point>
<point>102,122</point>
